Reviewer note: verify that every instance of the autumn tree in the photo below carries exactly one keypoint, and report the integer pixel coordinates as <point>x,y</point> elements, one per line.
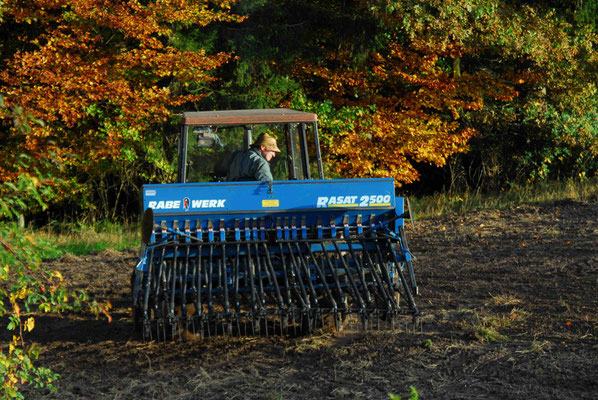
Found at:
<point>400,85</point>
<point>104,76</point>
<point>428,68</point>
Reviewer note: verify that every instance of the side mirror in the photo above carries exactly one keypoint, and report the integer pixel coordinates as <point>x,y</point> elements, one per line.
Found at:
<point>206,138</point>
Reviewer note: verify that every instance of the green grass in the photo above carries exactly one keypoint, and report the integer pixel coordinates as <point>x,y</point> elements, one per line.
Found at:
<point>58,239</point>
<point>539,193</point>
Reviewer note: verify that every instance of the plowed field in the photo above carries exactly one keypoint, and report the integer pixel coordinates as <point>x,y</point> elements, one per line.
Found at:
<point>509,302</point>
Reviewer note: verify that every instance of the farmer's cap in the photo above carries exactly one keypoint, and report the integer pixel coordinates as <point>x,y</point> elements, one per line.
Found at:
<point>266,140</point>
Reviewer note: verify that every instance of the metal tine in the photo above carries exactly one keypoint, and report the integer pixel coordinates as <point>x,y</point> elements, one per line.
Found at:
<point>313,304</point>
<point>385,273</point>
<point>337,284</point>
<point>254,293</point>
<point>405,249</point>
<point>350,276</point>
<point>185,281</point>
<point>236,277</point>
<point>303,297</point>
<point>272,274</point>
<point>198,277</point>
<point>209,275</point>
<point>173,281</point>
<point>225,283</point>
<point>159,282</point>
<point>146,292</point>
<point>259,276</point>
<point>321,274</point>
<point>285,276</point>
<point>184,275</point>
<point>374,271</point>
<point>360,273</point>
<point>409,296</point>
<point>293,322</point>
<point>266,324</point>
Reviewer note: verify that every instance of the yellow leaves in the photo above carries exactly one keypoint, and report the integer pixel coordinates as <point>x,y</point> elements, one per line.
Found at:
<point>56,274</point>
<point>29,324</point>
<point>20,295</point>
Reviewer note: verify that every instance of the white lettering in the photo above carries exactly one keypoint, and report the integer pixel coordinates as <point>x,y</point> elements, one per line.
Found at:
<point>363,201</point>
<point>322,201</point>
<point>152,204</point>
<point>213,203</point>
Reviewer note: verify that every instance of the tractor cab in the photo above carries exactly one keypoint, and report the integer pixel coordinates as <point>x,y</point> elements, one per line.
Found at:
<point>209,140</point>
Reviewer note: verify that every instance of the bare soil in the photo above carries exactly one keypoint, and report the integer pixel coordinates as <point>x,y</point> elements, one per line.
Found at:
<point>509,309</point>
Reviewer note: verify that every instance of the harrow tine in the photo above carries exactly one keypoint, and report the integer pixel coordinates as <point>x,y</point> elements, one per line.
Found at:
<point>360,274</point>
<point>385,273</point>
<point>285,276</point>
<point>225,279</point>
<point>236,277</point>
<point>260,278</point>
<point>322,275</point>
<point>334,272</point>
<point>303,297</point>
<point>249,267</point>
<point>350,277</point>
<point>184,280</point>
<point>405,249</point>
<point>272,276</point>
<point>146,295</point>
<point>374,272</point>
<point>410,298</point>
<point>173,281</point>
<point>198,280</point>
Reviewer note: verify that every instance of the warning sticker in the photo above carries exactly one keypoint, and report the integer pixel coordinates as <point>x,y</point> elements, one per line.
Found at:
<point>270,203</point>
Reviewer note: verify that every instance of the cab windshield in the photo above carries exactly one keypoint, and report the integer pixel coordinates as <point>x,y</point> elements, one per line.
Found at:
<point>209,150</point>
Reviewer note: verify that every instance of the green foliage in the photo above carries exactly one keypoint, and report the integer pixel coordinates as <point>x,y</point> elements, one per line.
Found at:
<point>413,395</point>
<point>26,288</point>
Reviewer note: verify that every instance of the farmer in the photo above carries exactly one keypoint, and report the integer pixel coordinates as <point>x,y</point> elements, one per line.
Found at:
<point>252,164</point>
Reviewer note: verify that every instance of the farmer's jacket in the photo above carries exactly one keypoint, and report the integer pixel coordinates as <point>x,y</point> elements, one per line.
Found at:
<point>249,165</point>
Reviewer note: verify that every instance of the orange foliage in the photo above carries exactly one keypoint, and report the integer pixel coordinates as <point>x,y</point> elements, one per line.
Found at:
<point>409,103</point>
<point>99,73</point>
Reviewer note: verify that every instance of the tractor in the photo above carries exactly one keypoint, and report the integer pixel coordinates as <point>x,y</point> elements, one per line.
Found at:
<point>290,255</point>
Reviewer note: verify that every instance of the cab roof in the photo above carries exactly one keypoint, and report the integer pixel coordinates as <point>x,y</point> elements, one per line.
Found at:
<point>248,117</point>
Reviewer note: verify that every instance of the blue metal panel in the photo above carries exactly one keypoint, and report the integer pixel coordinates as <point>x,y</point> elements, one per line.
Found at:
<point>259,196</point>
<point>291,204</point>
